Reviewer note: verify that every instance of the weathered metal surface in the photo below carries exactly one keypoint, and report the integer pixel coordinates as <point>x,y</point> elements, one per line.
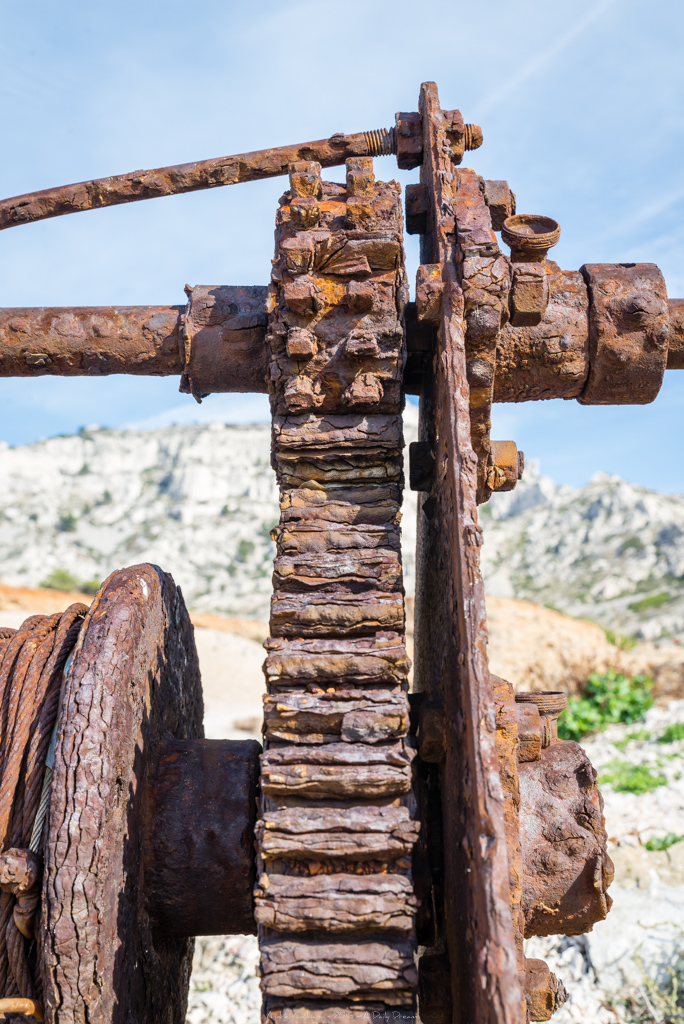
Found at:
<point>544,992</point>
<point>675,348</point>
<point>32,660</point>
<point>199,858</point>
<point>567,869</point>
<point>550,360</point>
<point>530,236</point>
<point>629,328</point>
<point>190,177</point>
<point>222,340</point>
<point>216,342</point>
<point>451,662</point>
<point>90,341</point>
<point>506,466</point>
<point>133,683</point>
<point>334,897</point>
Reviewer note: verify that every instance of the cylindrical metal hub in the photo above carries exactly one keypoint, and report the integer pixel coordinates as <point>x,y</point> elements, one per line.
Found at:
<point>199,850</point>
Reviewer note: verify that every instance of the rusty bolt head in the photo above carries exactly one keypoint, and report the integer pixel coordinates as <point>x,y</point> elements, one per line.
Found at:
<point>529,294</point>
<point>409,138</point>
<point>501,202</point>
<point>366,389</point>
<point>429,288</point>
<point>305,179</point>
<point>544,992</point>
<point>507,465</point>
<point>305,213</point>
<point>361,344</point>
<point>530,236</point>
<point>301,343</point>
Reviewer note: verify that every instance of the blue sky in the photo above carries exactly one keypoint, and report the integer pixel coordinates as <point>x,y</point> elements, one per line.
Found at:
<point>581,103</point>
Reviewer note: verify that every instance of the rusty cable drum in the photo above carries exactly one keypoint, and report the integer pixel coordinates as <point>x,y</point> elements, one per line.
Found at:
<point>31,675</point>
<point>149,827</point>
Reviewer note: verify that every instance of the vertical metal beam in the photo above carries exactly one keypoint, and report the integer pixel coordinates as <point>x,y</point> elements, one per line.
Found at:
<point>451,637</point>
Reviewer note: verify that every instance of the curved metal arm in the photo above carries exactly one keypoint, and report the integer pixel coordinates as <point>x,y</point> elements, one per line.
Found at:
<point>168,181</point>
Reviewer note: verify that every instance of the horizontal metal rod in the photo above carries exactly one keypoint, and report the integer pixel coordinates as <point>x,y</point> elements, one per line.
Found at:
<point>222,328</point>
<point>192,177</point>
<point>221,332</point>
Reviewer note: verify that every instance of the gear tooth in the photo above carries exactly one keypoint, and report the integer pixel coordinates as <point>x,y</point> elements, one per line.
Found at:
<point>335,884</point>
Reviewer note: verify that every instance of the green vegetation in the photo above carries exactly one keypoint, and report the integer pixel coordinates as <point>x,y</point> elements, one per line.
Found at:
<point>663,844</point>
<point>60,579</point>
<point>636,736</point>
<point>607,699</point>
<point>653,601</point>
<point>67,523</point>
<point>106,499</point>
<point>244,550</point>
<point>90,586</point>
<point>84,470</point>
<point>673,733</point>
<point>630,778</point>
<point>624,643</point>
<point>634,543</point>
<point>661,1003</point>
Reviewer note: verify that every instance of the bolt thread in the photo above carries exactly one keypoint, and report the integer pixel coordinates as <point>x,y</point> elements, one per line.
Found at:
<point>473,136</point>
<point>381,142</point>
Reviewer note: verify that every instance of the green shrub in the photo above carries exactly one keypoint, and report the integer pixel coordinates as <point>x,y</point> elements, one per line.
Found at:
<point>607,699</point>
<point>90,586</point>
<point>67,523</point>
<point>636,736</point>
<point>60,579</point>
<point>654,601</point>
<point>663,844</point>
<point>244,550</point>
<point>673,733</point>
<point>661,1003</point>
<point>624,643</point>
<point>625,777</point>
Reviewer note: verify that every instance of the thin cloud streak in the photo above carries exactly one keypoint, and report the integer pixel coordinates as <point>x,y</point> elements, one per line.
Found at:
<point>539,63</point>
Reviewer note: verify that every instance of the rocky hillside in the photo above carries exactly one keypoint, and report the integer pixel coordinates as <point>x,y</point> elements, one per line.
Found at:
<point>610,551</point>
<point>201,500</point>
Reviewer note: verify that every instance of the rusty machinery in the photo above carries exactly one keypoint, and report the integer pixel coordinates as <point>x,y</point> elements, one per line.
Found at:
<point>389,848</point>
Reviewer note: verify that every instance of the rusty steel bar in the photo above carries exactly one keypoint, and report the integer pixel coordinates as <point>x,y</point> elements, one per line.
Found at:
<point>218,337</point>
<point>191,177</point>
<point>146,340</point>
<point>90,341</point>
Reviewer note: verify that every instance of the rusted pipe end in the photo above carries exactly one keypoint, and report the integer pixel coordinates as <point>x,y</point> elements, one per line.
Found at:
<point>530,236</point>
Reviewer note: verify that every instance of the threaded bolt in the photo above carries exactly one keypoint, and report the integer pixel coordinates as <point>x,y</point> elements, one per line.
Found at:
<point>473,136</point>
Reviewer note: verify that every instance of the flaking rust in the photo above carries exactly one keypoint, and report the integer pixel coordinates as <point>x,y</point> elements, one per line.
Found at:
<point>451,819</point>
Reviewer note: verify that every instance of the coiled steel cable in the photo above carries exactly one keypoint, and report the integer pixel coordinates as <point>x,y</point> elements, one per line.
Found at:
<point>32,661</point>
